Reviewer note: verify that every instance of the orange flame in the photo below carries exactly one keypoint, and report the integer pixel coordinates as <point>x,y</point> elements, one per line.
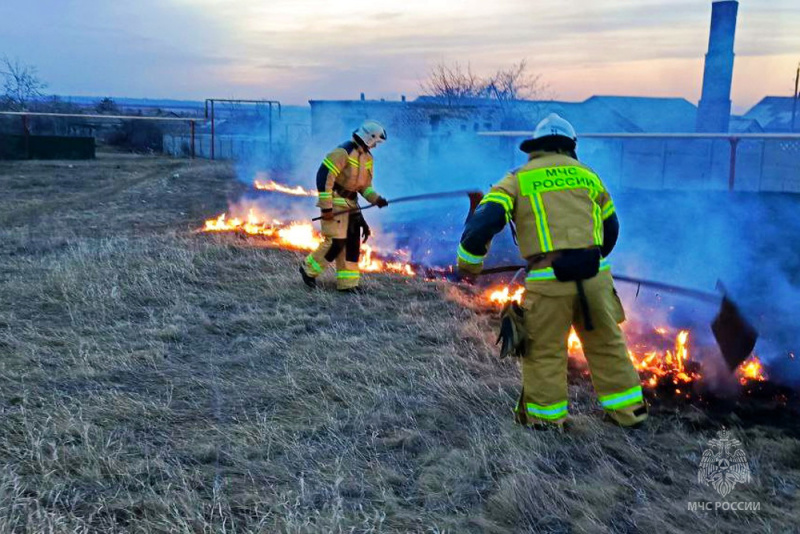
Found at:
<point>272,185</point>
<point>574,345</point>
<point>669,365</point>
<point>751,370</point>
<point>660,365</point>
<point>301,236</point>
<point>657,366</point>
<point>504,296</point>
<point>369,263</point>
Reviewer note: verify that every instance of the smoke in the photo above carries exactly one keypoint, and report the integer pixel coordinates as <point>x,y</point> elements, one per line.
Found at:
<point>693,238</point>
<point>747,241</point>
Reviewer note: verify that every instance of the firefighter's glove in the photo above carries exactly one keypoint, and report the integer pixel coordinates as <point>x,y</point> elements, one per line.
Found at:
<point>327,215</point>
<point>381,202</point>
<point>512,338</point>
<point>365,231</point>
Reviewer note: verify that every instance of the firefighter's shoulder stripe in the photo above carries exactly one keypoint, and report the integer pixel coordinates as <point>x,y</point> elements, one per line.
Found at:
<point>331,166</point>
<point>503,199</point>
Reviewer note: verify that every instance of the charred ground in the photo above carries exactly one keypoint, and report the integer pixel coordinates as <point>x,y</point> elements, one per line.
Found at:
<point>156,380</point>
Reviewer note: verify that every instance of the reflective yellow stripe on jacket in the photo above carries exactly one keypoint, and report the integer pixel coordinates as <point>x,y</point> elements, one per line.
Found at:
<point>608,209</point>
<point>537,182</point>
<point>547,273</point>
<point>503,199</point>
<point>330,166</point>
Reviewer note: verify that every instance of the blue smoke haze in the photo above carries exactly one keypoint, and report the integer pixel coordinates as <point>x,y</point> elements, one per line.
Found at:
<point>692,238</point>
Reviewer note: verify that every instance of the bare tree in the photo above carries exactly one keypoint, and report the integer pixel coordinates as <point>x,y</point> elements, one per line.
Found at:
<point>515,83</point>
<point>453,82</point>
<point>507,90</point>
<point>21,84</point>
<point>510,87</point>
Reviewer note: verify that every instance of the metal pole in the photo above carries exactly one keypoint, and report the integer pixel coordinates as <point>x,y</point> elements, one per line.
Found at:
<point>761,166</point>
<point>270,129</point>
<point>27,134</point>
<point>796,95</point>
<point>192,123</point>
<point>212,129</point>
<point>732,175</point>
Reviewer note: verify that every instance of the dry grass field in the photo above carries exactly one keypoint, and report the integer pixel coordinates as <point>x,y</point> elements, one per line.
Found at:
<point>156,380</point>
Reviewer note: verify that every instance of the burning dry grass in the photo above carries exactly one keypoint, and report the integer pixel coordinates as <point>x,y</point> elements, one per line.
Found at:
<point>300,235</point>
<point>160,381</point>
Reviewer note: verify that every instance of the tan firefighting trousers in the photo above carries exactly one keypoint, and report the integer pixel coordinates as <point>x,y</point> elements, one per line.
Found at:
<point>550,308</point>
<point>342,245</point>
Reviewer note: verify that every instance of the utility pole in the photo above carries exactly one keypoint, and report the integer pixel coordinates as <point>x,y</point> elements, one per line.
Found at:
<point>795,96</point>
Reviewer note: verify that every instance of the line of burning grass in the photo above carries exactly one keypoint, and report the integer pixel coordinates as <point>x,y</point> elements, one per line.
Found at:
<point>659,367</point>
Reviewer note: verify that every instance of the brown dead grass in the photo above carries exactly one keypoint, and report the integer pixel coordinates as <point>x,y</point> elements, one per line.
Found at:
<point>153,380</point>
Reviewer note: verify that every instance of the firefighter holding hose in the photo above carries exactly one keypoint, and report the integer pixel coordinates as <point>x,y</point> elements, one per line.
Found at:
<point>566,226</point>
<point>345,173</point>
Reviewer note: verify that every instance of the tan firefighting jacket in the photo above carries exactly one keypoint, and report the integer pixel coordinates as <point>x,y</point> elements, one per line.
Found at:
<point>556,203</point>
<point>347,169</point>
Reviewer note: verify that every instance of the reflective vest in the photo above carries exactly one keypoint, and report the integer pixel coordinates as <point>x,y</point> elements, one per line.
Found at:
<point>556,203</point>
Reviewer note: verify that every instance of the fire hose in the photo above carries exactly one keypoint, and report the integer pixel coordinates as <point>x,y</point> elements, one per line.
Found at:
<point>414,198</point>
<point>688,292</point>
<point>735,335</point>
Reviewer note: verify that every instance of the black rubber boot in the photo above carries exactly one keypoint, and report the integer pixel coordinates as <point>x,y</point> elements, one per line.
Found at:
<point>307,280</point>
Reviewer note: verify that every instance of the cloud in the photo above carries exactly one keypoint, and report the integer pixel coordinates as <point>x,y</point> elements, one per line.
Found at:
<point>324,48</point>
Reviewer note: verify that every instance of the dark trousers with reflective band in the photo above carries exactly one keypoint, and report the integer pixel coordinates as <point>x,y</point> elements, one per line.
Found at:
<point>342,245</point>
<point>551,307</point>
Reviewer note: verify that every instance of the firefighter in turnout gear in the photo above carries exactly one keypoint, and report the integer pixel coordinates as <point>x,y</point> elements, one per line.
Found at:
<point>344,174</point>
<point>566,226</point>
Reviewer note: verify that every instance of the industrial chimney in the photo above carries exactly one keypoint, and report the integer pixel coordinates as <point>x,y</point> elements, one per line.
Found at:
<point>714,111</point>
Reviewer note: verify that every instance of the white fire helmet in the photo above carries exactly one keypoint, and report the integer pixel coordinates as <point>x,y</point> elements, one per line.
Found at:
<point>551,127</point>
<point>554,124</point>
<point>371,133</point>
